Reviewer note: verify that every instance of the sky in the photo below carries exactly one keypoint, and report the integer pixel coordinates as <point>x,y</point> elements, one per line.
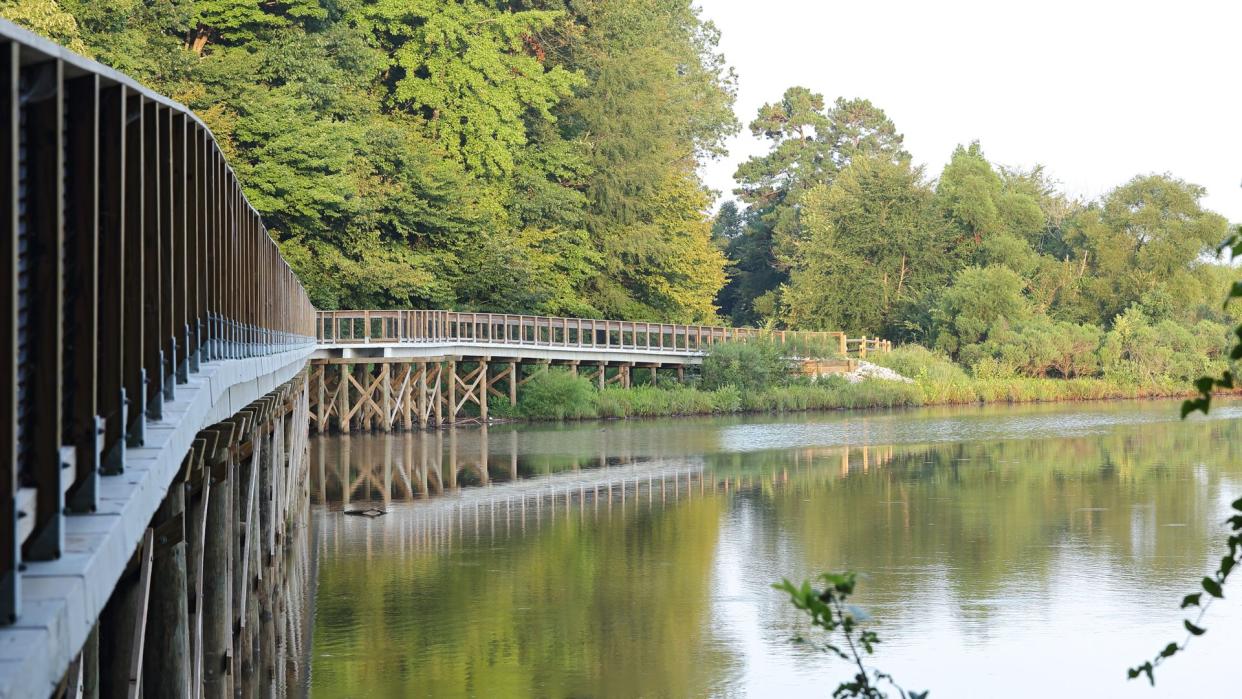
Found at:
<point>1095,91</point>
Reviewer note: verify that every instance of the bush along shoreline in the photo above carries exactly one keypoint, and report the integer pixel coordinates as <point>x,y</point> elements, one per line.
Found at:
<point>750,378</point>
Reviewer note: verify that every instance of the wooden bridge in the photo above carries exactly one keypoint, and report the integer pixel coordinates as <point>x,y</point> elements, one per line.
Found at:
<point>155,396</point>
<point>391,370</point>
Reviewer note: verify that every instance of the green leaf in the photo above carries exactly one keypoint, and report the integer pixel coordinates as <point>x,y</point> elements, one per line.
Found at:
<point>1191,600</point>
<point>1169,650</point>
<point>1194,630</point>
<point>1213,588</point>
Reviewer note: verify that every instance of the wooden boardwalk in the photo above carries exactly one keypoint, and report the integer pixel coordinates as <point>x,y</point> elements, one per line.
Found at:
<point>386,370</point>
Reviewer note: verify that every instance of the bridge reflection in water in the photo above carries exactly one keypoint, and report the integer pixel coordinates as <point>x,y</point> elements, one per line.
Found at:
<point>489,482</point>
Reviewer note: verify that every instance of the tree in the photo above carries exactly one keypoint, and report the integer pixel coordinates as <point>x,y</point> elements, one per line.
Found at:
<point>809,146</point>
<point>979,298</point>
<point>466,68</point>
<point>658,100</point>
<point>872,240</point>
<point>728,224</point>
<point>47,18</point>
<point>979,204</point>
<point>1150,233</point>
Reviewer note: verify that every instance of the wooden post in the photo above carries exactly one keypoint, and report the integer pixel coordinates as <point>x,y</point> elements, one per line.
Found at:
<point>385,377</point>
<point>480,390</point>
<point>439,394</point>
<point>407,398</point>
<point>123,625</point>
<point>513,383</point>
<point>422,394</point>
<point>265,555</point>
<point>681,373</point>
<point>167,669</point>
<point>322,422</point>
<point>362,375</point>
<point>342,401</point>
<point>603,367</point>
<point>452,392</point>
<point>90,664</point>
<point>217,607</point>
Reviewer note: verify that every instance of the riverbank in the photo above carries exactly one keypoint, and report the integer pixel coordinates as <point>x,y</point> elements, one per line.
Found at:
<point>828,394</point>
<point>930,381</point>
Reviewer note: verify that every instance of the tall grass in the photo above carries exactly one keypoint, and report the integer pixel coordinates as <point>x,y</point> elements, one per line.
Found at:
<point>558,395</point>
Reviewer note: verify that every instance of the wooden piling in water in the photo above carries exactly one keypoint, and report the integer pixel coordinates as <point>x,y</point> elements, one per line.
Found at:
<point>167,672</point>
<point>218,581</point>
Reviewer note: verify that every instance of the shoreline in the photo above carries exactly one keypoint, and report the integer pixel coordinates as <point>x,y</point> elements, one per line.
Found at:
<point>658,402</point>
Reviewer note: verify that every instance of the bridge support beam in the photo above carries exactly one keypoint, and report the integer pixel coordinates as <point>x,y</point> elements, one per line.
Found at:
<point>382,393</point>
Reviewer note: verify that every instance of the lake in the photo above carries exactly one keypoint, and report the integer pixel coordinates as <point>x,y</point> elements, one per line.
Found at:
<point>1017,551</point>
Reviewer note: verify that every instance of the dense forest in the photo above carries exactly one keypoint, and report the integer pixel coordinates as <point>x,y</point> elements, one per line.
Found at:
<point>523,155</point>
<point>542,156</point>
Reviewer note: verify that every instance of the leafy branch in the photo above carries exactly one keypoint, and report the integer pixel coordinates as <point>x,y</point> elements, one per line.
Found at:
<point>1213,585</point>
<point>828,610</point>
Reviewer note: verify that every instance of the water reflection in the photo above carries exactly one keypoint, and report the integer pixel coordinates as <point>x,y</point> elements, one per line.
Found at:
<point>1038,551</point>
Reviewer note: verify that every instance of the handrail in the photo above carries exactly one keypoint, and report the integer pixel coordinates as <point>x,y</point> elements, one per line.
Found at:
<point>133,257</point>
<point>402,326</point>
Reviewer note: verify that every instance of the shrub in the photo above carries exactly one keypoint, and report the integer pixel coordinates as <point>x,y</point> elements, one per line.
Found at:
<point>971,307</point>
<point>752,365</point>
<point>556,394</point>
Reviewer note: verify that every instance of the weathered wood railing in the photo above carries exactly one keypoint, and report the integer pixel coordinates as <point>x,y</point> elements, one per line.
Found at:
<point>375,327</point>
<point>132,257</point>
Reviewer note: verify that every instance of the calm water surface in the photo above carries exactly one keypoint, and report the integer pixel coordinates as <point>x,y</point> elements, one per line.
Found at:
<point>1021,552</point>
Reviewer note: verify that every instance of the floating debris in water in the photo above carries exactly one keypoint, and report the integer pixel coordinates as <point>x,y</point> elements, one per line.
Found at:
<point>369,512</point>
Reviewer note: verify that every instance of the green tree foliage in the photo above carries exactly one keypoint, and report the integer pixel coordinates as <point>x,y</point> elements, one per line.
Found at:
<point>979,299</point>
<point>468,71</point>
<point>977,203</point>
<point>534,156</point>
<point>46,17</point>
<point>658,99</point>
<point>1151,233</point>
<point>809,145</point>
<point>729,223</point>
<point>871,245</point>
<point>993,266</point>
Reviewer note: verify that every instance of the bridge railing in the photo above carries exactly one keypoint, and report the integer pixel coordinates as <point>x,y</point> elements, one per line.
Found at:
<point>132,257</point>
<point>375,327</point>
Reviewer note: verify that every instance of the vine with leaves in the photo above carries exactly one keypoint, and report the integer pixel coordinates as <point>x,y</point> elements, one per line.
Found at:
<point>828,610</point>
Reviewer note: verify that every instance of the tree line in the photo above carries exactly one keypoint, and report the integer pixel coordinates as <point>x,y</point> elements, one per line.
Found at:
<point>994,266</point>
<point>541,156</point>
<point>499,155</point>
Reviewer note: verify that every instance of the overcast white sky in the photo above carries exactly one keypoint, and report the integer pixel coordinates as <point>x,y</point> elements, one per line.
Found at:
<point>1096,91</point>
